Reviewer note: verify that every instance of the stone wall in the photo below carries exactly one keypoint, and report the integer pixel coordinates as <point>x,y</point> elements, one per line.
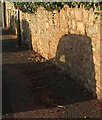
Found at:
<point>0,15</point>
<point>11,16</point>
<point>101,56</point>
<point>70,38</point>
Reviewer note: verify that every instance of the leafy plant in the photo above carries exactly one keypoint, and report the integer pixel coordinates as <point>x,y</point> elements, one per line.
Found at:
<point>31,7</point>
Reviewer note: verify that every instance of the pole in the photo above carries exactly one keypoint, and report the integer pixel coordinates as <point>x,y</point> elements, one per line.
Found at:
<point>4,15</point>
<point>2,7</point>
<point>18,29</point>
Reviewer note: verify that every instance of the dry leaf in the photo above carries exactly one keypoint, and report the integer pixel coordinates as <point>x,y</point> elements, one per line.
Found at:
<point>85,117</point>
<point>60,106</point>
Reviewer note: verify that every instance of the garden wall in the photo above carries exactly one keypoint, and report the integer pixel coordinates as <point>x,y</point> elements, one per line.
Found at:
<point>70,38</point>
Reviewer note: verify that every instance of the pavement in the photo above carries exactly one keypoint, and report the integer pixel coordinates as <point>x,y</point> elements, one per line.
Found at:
<point>35,88</point>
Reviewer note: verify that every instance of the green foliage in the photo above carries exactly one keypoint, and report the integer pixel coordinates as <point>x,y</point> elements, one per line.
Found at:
<point>31,7</point>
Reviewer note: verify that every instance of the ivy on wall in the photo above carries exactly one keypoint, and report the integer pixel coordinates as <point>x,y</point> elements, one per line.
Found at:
<point>31,7</point>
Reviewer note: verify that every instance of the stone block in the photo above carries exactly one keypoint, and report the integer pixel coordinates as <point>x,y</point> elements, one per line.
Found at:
<point>91,17</point>
<point>72,14</point>
<point>73,24</point>
<point>85,16</point>
<point>80,27</point>
<point>47,25</point>
<point>92,29</point>
<point>78,15</point>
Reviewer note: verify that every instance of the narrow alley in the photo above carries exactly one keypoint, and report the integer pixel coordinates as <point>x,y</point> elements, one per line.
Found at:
<point>35,88</point>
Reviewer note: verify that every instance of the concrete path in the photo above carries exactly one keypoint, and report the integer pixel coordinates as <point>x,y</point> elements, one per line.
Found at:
<point>35,88</point>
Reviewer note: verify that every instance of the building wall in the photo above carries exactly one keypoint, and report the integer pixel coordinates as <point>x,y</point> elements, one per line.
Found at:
<point>70,38</point>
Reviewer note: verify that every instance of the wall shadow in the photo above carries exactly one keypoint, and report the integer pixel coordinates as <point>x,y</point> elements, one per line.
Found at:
<point>9,42</point>
<point>9,38</point>
<point>6,31</point>
<point>11,29</point>
<point>26,34</point>
<point>50,85</point>
<point>74,56</point>
<point>12,24</point>
<point>0,15</point>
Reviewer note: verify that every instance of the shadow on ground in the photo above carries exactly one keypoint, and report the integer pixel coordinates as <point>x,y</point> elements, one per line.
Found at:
<point>9,42</point>
<point>49,86</point>
<point>32,83</point>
